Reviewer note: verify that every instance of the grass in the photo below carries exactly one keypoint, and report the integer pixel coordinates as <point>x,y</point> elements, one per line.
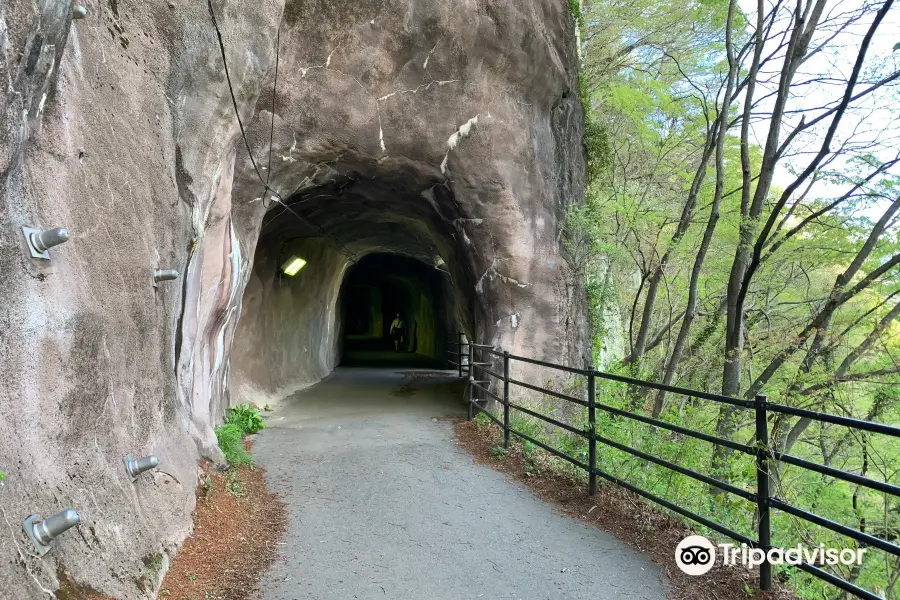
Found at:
<point>239,421</point>
<point>231,444</point>
<point>233,485</point>
<point>153,564</point>
<point>499,452</point>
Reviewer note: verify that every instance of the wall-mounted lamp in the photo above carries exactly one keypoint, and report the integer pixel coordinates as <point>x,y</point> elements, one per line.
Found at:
<point>79,11</point>
<point>158,275</point>
<point>44,531</point>
<point>292,266</point>
<point>41,241</point>
<point>141,465</point>
<point>164,275</point>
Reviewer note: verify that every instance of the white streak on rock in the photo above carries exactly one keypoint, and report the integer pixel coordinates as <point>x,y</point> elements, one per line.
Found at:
<point>327,64</point>
<point>460,134</point>
<point>492,273</point>
<point>464,131</point>
<point>427,58</point>
<point>417,89</point>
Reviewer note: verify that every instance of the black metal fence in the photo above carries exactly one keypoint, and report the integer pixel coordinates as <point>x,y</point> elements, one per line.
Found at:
<point>472,361</point>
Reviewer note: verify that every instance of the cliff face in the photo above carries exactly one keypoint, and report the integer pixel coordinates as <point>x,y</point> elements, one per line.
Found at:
<point>447,132</point>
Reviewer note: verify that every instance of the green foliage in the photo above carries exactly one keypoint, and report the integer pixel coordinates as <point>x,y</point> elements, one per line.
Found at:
<point>233,485</point>
<point>207,487</point>
<point>248,419</point>
<point>481,420</point>
<point>153,563</point>
<point>230,438</point>
<point>650,74</point>
<point>2,476</point>
<point>596,144</point>
<point>499,452</point>
<point>575,9</point>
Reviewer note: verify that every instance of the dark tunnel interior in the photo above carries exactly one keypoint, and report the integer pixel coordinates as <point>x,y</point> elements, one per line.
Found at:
<point>383,290</point>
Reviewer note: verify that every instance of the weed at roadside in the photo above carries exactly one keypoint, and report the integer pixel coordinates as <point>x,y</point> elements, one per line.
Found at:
<point>231,443</point>
<point>248,419</point>
<point>233,485</point>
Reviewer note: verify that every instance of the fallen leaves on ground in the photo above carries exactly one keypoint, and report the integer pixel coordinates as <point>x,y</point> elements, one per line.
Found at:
<point>238,523</point>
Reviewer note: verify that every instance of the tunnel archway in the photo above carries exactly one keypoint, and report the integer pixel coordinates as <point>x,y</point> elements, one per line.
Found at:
<point>373,245</point>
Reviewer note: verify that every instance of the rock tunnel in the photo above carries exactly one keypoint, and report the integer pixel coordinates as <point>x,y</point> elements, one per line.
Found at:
<point>367,258</point>
<point>435,144</point>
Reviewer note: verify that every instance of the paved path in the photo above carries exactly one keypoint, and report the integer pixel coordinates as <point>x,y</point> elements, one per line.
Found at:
<point>383,505</point>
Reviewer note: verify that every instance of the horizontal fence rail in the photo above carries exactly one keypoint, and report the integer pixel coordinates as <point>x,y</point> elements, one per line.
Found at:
<point>478,362</point>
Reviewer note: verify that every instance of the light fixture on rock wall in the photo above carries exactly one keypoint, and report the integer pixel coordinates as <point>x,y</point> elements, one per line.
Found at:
<point>43,531</point>
<point>79,11</point>
<point>292,266</point>
<point>40,241</point>
<point>160,275</point>
<point>141,465</point>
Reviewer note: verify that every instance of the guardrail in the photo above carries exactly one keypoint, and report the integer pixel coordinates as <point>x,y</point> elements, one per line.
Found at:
<point>460,352</point>
<point>472,362</point>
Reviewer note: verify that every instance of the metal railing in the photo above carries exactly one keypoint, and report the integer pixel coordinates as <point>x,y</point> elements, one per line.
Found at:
<point>460,353</point>
<point>472,362</point>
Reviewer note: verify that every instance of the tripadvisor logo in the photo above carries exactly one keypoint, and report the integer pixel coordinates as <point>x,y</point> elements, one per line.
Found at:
<point>696,555</point>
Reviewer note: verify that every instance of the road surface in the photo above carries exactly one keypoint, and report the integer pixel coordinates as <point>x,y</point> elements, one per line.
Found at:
<point>382,504</point>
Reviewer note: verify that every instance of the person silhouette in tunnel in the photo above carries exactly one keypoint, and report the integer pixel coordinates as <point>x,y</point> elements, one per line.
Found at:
<point>398,330</point>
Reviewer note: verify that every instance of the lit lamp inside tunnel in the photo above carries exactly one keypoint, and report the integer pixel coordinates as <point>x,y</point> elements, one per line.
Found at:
<point>292,266</point>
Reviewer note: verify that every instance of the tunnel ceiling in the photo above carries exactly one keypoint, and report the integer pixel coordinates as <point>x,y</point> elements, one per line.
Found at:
<point>362,214</point>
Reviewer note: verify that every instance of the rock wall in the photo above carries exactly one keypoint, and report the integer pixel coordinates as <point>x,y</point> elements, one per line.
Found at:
<point>449,132</point>
<point>288,335</point>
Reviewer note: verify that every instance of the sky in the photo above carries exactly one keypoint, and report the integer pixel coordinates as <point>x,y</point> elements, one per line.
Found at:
<point>876,119</point>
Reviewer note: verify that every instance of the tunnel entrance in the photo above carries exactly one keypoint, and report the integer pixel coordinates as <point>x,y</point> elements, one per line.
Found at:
<point>333,266</point>
<point>394,310</point>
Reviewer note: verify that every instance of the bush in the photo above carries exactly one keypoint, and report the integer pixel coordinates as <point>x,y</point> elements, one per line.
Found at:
<point>482,420</point>
<point>230,442</point>
<point>248,419</point>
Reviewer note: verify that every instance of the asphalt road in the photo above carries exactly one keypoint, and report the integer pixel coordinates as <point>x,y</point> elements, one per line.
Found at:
<point>382,504</point>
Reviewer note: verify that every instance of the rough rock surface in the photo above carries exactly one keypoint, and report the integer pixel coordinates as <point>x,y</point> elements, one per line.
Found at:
<point>449,132</point>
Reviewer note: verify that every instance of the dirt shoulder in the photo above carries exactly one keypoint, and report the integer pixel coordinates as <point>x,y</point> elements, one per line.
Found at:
<point>615,510</point>
<point>238,523</point>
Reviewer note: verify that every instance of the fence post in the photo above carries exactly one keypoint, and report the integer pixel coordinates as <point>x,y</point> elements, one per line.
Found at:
<point>459,356</point>
<point>592,437</point>
<point>506,399</point>
<point>471,380</point>
<point>762,488</point>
